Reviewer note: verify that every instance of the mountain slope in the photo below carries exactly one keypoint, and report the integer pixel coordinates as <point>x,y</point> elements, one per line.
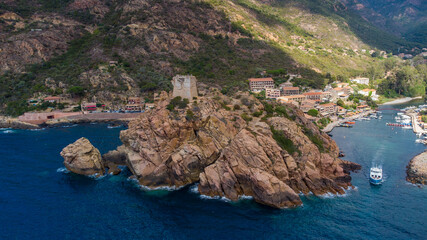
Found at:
<point>406,18</point>
<point>65,46</point>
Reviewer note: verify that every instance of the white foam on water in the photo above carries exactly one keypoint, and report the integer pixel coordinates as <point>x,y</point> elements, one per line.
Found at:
<point>37,129</point>
<point>62,170</point>
<point>346,193</point>
<point>114,126</point>
<point>244,197</point>
<point>194,188</point>
<point>8,131</point>
<point>165,188</point>
<point>224,199</point>
<point>97,176</point>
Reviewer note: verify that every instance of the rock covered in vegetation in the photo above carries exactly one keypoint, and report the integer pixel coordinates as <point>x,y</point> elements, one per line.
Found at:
<point>271,160</point>
<point>82,157</point>
<point>417,169</point>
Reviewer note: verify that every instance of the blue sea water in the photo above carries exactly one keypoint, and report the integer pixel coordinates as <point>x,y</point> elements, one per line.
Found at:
<point>38,200</point>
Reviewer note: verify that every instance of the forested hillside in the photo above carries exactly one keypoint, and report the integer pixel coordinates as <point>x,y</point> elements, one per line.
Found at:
<point>66,46</point>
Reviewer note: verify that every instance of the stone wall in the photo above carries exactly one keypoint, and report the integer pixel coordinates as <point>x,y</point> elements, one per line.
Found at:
<point>184,86</point>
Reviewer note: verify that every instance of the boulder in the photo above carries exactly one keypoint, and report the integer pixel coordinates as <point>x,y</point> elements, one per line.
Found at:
<point>83,158</point>
<point>417,169</point>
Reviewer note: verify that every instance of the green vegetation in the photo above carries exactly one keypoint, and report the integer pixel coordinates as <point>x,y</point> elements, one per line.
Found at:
<point>284,142</point>
<point>246,117</point>
<point>314,138</point>
<point>189,115</point>
<point>313,112</point>
<point>408,81</point>
<point>323,122</point>
<point>178,102</point>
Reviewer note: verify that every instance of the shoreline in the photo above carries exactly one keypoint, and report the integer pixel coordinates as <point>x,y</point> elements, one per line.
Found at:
<point>115,119</point>
<point>401,100</point>
<point>332,125</point>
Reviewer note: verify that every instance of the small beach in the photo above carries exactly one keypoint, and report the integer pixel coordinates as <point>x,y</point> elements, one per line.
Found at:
<point>401,100</point>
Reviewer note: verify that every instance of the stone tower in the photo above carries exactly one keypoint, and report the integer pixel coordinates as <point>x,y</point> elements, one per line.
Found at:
<point>184,86</point>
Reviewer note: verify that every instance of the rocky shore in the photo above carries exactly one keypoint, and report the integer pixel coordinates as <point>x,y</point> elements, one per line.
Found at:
<point>15,124</point>
<point>417,169</point>
<point>273,157</point>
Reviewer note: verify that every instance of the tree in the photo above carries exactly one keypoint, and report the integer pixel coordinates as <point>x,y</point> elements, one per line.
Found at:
<point>76,91</point>
<point>340,103</point>
<point>313,112</point>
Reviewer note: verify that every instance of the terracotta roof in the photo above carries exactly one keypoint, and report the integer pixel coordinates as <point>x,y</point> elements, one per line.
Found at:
<point>338,88</point>
<point>312,93</point>
<point>369,90</point>
<point>260,79</point>
<point>51,98</point>
<point>362,106</point>
<point>290,88</point>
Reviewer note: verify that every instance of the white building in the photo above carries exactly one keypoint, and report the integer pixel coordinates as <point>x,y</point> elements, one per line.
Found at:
<point>366,92</point>
<point>259,84</point>
<point>360,80</point>
<point>272,93</point>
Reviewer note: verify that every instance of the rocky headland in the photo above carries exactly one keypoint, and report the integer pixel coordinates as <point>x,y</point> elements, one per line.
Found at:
<point>232,146</point>
<point>417,169</point>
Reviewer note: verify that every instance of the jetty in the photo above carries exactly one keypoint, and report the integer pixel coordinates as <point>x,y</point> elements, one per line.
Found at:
<point>416,128</point>
<point>332,125</point>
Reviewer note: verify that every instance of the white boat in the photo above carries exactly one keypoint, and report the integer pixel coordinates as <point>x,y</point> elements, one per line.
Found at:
<point>376,175</point>
<point>407,127</point>
<point>419,141</point>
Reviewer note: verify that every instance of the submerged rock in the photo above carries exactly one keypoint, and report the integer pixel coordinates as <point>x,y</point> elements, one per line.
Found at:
<point>417,169</point>
<point>82,157</point>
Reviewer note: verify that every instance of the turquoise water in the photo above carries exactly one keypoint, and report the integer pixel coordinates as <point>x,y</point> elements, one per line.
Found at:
<point>40,201</point>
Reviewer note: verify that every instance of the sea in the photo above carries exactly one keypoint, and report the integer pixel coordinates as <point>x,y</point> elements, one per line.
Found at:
<point>40,199</point>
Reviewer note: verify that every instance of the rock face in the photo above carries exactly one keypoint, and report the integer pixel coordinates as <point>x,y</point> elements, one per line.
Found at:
<point>417,169</point>
<point>232,157</point>
<point>273,158</point>
<point>82,157</point>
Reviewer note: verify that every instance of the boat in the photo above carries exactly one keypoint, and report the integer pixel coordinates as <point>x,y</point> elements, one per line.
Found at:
<point>407,127</point>
<point>376,175</point>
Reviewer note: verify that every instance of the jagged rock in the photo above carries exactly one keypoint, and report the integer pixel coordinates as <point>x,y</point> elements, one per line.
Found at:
<point>417,169</point>
<point>231,157</point>
<point>113,159</point>
<point>82,157</point>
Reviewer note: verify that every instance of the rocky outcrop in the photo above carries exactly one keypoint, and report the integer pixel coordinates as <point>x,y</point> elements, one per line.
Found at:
<point>231,157</point>
<point>417,169</point>
<point>273,157</point>
<point>82,157</point>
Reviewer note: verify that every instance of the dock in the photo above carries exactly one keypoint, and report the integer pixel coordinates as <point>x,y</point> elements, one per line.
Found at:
<point>415,127</point>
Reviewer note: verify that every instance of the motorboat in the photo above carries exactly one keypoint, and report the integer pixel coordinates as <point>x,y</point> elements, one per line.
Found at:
<point>376,175</point>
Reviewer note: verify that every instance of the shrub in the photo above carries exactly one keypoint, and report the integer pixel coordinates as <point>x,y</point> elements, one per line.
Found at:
<point>236,107</point>
<point>284,142</point>
<point>257,114</point>
<point>281,111</point>
<point>189,115</point>
<point>246,117</point>
<point>313,112</point>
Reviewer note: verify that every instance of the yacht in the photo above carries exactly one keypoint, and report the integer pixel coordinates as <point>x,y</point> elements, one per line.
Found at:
<point>376,175</point>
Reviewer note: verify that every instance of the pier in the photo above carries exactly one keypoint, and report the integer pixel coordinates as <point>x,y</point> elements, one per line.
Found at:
<point>416,128</point>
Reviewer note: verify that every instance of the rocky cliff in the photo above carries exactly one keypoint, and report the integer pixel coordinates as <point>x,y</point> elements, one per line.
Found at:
<point>273,157</point>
